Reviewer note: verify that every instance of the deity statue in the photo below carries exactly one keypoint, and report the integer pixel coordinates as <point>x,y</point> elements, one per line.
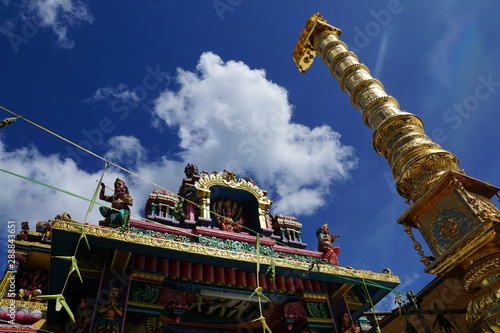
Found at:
<point>118,215</point>
<point>84,315</point>
<point>346,324</point>
<point>47,237</point>
<point>25,229</point>
<point>32,284</point>
<point>44,228</point>
<point>190,170</point>
<point>110,314</point>
<point>226,222</point>
<point>325,245</point>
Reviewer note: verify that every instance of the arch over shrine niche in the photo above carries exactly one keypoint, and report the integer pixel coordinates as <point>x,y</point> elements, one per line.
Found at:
<point>227,180</point>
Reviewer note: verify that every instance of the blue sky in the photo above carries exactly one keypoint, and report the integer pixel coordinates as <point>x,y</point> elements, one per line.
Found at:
<point>153,85</point>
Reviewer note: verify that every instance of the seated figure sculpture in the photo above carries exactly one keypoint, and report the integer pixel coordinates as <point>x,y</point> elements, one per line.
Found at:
<point>226,222</point>
<point>118,215</point>
<point>45,228</point>
<point>32,284</point>
<point>325,245</point>
<point>25,229</point>
<point>346,324</point>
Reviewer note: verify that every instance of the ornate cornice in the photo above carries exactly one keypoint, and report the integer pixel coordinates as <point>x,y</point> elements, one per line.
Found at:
<point>149,306</point>
<point>319,320</point>
<point>307,296</point>
<point>220,253</point>
<point>6,302</point>
<point>206,181</point>
<point>33,246</point>
<point>148,276</point>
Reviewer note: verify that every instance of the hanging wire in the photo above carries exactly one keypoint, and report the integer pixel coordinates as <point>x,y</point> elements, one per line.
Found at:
<point>258,290</point>
<point>367,296</point>
<point>80,147</point>
<point>353,280</point>
<point>92,202</point>
<point>108,162</point>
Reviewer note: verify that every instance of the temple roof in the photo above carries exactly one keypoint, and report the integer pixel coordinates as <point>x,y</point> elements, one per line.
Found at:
<point>206,247</point>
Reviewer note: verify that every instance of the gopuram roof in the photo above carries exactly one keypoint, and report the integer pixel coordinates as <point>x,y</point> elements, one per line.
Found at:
<point>202,259</point>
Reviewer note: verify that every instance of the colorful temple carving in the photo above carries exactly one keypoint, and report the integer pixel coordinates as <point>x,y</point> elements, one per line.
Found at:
<point>211,258</point>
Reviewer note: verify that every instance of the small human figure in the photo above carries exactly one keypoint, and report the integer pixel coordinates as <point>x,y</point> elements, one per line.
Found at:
<point>325,245</point>
<point>84,314</point>
<point>47,237</point>
<point>25,229</point>
<point>45,228</point>
<point>110,314</point>
<point>190,170</point>
<point>119,213</point>
<point>346,324</point>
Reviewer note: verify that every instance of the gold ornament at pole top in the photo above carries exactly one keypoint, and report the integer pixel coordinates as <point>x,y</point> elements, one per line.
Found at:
<point>304,53</point>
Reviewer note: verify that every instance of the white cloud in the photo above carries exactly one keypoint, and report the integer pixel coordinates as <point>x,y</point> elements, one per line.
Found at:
<point>125,149</point>
<point>7,26</point>
<point>59,15</point>
<point>120,92</point>
<point>229,116</point>
<point>38,187</point>
<point>28,200</point>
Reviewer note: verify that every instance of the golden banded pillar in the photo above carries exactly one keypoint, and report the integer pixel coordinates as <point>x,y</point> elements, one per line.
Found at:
<point>452,211</point>
<point>416,161</point>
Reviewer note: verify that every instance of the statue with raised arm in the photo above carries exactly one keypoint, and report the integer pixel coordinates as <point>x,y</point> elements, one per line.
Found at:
<point>118,215</point>
<point>325,245</point>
